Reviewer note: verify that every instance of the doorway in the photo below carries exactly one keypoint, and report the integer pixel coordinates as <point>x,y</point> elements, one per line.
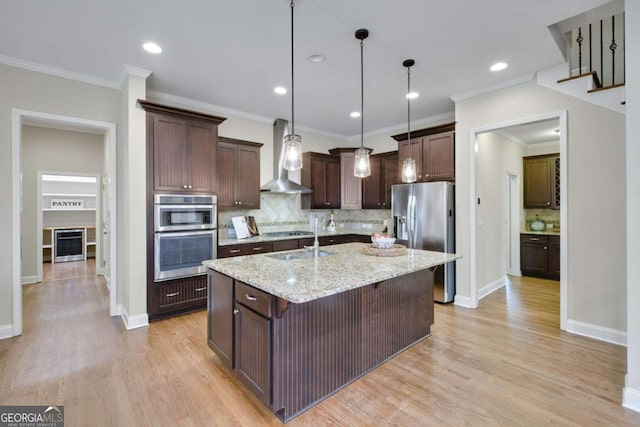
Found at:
<point>512,224</point>
<point>108,132</point>
<point>477,257</point>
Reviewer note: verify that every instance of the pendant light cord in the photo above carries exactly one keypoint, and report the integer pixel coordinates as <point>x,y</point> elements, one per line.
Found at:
<point>408,104</point>
<point>292,80</point>
<point>361,93</point>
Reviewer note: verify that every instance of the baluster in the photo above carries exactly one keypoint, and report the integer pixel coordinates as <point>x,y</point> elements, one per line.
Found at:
<point>612,48</point>
<point>579,41</point>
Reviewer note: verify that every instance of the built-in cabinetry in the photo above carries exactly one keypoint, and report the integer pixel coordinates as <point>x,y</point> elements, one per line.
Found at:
<point>433,149</point>
<point>238,173</point>
<point>49,242</point>
<point>350,185</point>
<point>182,148</point>
<point>321,173</point>
<point>376,188</point>
<point>540,255</point>
<point>541,181</point>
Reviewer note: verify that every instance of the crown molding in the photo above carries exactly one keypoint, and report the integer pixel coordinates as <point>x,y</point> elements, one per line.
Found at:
<point>482,91</point>
<point>218,110</point>
<point>130,70</point>
<point>57,72</point>
<point>438,119</point>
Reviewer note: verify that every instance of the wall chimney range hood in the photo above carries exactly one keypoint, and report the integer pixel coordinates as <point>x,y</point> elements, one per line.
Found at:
<point>280,182</point>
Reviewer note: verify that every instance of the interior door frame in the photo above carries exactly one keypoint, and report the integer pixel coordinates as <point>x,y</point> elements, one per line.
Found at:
<point>19,117</point>
<point>561,116</point>
<point>512,196</point>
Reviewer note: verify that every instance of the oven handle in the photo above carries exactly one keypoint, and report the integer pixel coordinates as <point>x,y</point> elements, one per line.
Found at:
<point>184,233</point>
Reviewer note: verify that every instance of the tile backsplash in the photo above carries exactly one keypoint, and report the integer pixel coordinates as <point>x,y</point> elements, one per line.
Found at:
<point>549,216</point>
<point>282,211</point>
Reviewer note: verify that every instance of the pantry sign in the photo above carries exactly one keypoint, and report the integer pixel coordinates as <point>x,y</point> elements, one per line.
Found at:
<point>67,204</point>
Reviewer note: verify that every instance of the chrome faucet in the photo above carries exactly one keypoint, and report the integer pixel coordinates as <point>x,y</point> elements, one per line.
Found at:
<point>316,244</point>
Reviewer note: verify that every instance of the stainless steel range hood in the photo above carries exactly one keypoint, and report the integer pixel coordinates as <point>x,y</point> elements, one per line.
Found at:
<point>280,182</point>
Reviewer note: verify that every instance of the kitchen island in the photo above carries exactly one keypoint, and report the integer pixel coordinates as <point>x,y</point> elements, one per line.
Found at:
<point>296,328</point>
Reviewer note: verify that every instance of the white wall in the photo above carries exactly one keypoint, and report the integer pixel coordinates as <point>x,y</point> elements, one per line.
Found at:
<point>22,89</point>
<point>51,150</point>
<point>596,192</point>
<point>632,43</point>
<point>495,156</point>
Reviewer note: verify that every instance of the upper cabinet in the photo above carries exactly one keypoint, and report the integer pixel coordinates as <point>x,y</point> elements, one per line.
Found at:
<point>350,185</point>
<point>321,173</point>
<point>541,181</point>
<point>182,147</point>
<point>238,173</point>
<point>376,188</point>
<point>433,149</point>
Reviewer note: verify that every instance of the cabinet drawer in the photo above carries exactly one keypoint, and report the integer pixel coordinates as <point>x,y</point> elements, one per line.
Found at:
<point>255,299</point>
<point>183,291</point>
<point>534,238</point>
<point>330,240</point>
<point>248,249</point>
<point>284,245</point>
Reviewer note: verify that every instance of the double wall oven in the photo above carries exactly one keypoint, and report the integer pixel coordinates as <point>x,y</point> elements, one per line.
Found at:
<point>185,234</point>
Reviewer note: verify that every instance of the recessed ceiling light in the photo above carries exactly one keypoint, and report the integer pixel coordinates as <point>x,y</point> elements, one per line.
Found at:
<point>499,66</point>
<point>412,95</point>
<point>280,90</point>
<point>317,58</point>
<point>152,47</point>
<point>355,114</point>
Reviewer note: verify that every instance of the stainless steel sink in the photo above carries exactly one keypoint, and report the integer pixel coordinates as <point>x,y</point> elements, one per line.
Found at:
<point>290,256</point>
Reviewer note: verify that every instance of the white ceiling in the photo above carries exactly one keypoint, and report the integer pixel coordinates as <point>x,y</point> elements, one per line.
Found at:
<point>534,132</point>
<point>233,53</point>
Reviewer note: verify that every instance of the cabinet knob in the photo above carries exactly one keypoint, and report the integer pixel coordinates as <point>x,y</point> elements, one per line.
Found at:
<point>190,187</point>
<point>184,186</point>
<point>236,311</point>
<point>545,248</point>
<point>239,203</point>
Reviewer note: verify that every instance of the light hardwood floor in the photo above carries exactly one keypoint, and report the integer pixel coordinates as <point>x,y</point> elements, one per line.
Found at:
<point>506,363</point>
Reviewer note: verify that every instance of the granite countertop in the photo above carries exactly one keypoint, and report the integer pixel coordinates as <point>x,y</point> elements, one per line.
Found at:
<point>265,238</point>
<point>552,232</point>
<point>304,280</point>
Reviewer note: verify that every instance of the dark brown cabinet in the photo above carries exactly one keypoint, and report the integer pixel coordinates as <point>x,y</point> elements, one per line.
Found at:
<point>321,173</point>
<point>541,181</point>
<point>244,249</point>
<point>376,188</point>
<point>252,358</point>
<point>238,173</point>
<point>433,150</point>
<point>181,158</point>
<point>540,255</point>
<point>184,154</point>
<point>220,316</point>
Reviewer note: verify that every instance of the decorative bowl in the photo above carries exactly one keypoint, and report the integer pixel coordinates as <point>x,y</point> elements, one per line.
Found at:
<point>383,242</point>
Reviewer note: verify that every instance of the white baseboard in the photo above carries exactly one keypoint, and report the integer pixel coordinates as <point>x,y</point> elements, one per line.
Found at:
<point>491,287</point>
<point>6,331</point>
<point>463,301</point>
<point>27,280</point>
<point>631,399</point>
<point>133,322</point>
<point>597,332</point>
<point>515,273</point>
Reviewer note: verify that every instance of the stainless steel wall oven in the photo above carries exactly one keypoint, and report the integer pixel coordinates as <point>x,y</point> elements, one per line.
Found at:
<point>185,234</point>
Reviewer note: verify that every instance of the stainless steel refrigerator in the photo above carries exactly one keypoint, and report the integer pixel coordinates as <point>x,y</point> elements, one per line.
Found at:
<point>424,218</point>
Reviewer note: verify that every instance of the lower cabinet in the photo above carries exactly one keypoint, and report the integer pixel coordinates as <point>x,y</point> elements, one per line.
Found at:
<point>540,255</point>
<point>220,316</point>
<point>177,296</point>
<point>289,244</point>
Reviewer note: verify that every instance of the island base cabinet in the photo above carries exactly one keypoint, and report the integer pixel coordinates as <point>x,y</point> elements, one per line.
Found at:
<point>220,316</point>
<point>323,345</point>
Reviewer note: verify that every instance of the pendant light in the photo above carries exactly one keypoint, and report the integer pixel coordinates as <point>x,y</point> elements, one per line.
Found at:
<point>409,173</point>
<point>292,142</point>
<point>362,168</point>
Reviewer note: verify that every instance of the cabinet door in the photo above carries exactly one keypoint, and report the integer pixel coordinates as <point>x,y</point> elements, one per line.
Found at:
<point>350,186</point>
<point>391,176</point>
<point>554,257</point>
<point>332,180</point>
<point>411,149</point>
<point>438,163</point>
<point>537,182</point>
<point>248,177</point>
<point>253,351</point>
<point>318,184</point>
<point>226,171</point>
<point>534,258</point>
<point>371,195</point>
<point>220,316</point>
<point>169,145</point>
<point>201,149</point>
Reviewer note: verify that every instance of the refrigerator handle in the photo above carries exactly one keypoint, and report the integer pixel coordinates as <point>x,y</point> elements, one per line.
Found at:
<point>411,221</point>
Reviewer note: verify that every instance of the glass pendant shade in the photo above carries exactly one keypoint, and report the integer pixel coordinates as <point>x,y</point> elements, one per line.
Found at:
<point>409,173</point>
<point>292,152</point>
<point>362,168</point>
